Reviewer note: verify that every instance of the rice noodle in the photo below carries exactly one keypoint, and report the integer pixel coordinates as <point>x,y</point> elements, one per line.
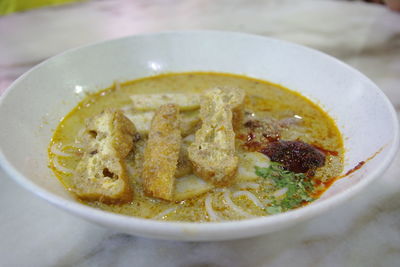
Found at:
<point>165,212</point>
<point>234,207</point>
<point>76,149</point>
<point>79,137</point>
<point>77,145</point>
<point>245,185</point>
<point>280,192</point>
<point>58,152</point>
<point>267,201</point>
<point>220,189</point>
<point>210,211</point>
<point>61,168</point>
<point>250,196</point>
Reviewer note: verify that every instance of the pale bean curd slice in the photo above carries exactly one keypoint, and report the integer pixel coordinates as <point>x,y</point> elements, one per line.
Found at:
<point>185,102</point>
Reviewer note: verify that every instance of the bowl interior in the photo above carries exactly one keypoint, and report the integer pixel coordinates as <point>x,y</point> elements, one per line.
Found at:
<point>37,101</point>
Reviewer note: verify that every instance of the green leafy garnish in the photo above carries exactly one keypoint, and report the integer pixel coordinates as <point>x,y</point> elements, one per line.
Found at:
<point>298,187</point>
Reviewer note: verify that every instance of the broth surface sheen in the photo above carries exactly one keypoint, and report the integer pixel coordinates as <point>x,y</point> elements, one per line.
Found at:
<point>298,118</point>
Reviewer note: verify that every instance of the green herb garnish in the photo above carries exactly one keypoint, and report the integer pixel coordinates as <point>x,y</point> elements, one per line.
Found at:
<point>298,187</point>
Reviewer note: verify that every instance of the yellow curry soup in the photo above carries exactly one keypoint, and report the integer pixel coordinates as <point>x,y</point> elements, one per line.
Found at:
<point>274,129</point>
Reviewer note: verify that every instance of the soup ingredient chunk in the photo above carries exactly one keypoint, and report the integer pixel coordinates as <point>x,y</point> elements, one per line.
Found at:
<point>189,121</point>
<point>247,161</point>
<point>154,101</point>
<point>213,151</point>
<point>141,120</point>
<point>101,173</point>
<point>296,156</point>
<point>162,152</point>
<point>190,186</point>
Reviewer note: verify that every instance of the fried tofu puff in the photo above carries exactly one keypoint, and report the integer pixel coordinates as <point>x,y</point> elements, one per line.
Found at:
<point>101,173</point>
<point>162,152</point>
<point>213,152</point>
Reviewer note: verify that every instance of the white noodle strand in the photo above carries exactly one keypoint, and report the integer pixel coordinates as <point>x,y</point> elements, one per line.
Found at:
<point>250,196</point>
<point>61,168</point>
<point>234,207</point>
<point>267,201</point>
<point>77,146</point>
<point>280,192</point>
<point>220,190</point>
<point>80,134</point>
<point>58,152</point>
<point>164,213</point>
<point>246,185</point>
<point>211,213</point>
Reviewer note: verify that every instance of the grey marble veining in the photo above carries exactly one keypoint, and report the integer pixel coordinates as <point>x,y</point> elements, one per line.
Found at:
<point>363,232</point>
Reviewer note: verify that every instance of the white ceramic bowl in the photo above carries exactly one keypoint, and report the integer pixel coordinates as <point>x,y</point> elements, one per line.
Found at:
<point>35,103</point>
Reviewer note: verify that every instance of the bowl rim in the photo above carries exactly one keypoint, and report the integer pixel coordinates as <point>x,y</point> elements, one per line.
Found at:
<point>171,229</point>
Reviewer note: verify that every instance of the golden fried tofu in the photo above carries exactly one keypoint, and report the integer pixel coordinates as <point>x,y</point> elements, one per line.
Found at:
<point>162,152</point>
<point>101,173</point>
<point>213,152</point>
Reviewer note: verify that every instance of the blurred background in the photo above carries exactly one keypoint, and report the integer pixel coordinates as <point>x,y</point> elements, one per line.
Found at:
<point>33,30</point>
<point>11,6</point>
<point>364,34</point>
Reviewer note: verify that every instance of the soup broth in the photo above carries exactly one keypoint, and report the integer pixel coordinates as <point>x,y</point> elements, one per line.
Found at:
<point>286,115</point>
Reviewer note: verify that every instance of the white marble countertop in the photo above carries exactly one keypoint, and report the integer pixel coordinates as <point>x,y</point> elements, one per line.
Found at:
<point>363,232</point>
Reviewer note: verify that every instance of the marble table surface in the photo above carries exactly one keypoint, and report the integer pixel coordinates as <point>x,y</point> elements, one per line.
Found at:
<point>363,232</point>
